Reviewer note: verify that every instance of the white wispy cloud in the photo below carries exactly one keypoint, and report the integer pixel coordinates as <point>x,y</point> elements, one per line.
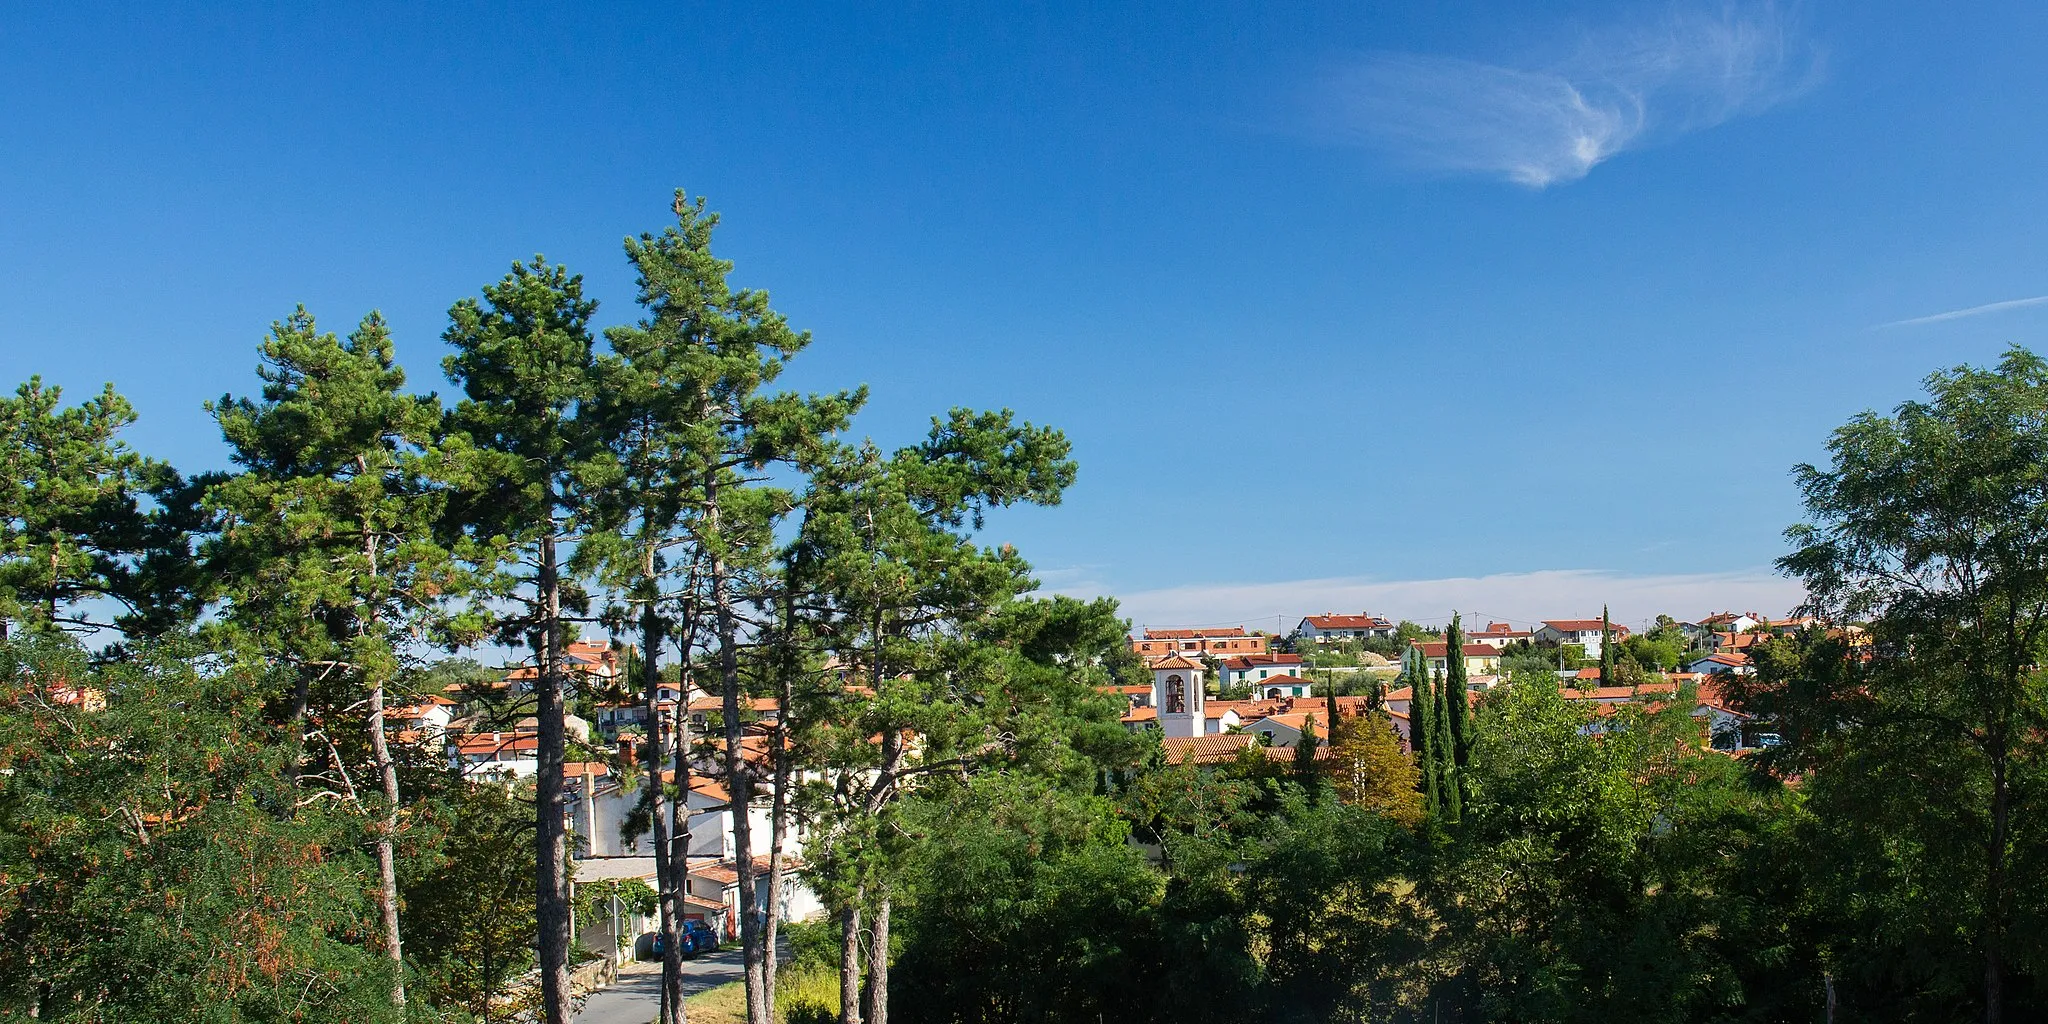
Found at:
<point>1624,87</point>
<point>1522,598</point>
<point>1958,314</point>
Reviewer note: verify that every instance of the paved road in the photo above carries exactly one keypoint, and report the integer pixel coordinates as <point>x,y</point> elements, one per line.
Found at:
<point>636,997</point>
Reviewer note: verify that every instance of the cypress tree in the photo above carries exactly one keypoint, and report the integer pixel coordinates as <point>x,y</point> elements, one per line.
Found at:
<point>1422,734</point>
<point>1457,705</point>
<point>1305,756</point>
<point>1440,751</point>
<point>1606,649</point>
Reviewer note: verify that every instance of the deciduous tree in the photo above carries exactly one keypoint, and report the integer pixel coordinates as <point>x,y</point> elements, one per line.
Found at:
<point>1932,524</point>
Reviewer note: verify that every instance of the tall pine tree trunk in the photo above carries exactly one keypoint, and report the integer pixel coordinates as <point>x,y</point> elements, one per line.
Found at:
<point>679,766</point>
<point>788,663</point>
<point>771,918</point>
<point>878,963</point>
<point>667,879</point>
<point>551,897</point>
<point>387,832</point>
<point>387,827</point>
<point>295,724</point>
<point>849,960</point>
<point>679,761</point>
<point>878,797</point>
<point>739,777</point>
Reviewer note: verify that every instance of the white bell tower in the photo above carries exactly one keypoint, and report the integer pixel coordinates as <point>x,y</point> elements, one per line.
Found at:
<point>1178,693</point>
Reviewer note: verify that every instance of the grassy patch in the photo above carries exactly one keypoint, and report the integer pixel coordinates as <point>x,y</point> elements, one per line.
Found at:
<point>726,1004</point>
<point>802,996</point>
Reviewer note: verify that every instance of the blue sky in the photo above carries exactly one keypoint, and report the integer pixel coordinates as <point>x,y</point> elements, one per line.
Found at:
<point>1507,307</point>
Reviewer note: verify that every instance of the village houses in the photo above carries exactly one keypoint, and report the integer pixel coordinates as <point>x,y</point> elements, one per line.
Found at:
<point>1330,626</point>
<point>1584,632</point>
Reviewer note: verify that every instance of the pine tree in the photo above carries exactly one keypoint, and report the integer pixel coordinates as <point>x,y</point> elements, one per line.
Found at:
<point>523,358</point>
<point>697,435</point>
<point>888,546</point>
<point>159,866</point>
<point>73,527</point>
<point>328,555</point>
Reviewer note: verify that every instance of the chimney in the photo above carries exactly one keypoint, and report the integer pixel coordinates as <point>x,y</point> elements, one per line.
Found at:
<point>629,752</point>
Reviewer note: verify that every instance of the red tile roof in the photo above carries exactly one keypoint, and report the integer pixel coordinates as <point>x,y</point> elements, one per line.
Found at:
<point>1720,617</point>
<point>722,873</point>
<point>1282,680</point>
<point>1193,634</point>
<point>1246,661</point>
<point>1712,694</point>
<point>1584,626</point>
<point>1606,694</point>
<point>1361,621</point>
<point>1733,660</point>
<point>1206,749</point>
<point>490,743</point>
<point>717,703</point>
<point>1442,649</point>
<point>1293,719</point>
<point>728,871</point>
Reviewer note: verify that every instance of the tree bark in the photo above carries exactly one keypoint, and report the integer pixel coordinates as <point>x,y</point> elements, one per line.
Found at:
<point>878,964</point>
<point>295,725</point>
<point>849,961</point>
<point>387,831</point>
<point>1995,884</point>
<point>551,897</point>
<point>787,664</point>
<point>667,878</point>
<point>387,826</point>
<point>738,775</point>
<point>778,813</point>
<point>679,756</point>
